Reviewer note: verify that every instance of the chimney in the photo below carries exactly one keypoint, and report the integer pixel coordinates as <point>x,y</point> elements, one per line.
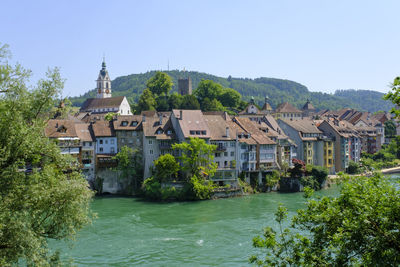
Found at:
<point>180,114</point>
<point>160,117</point>
<point>227,132</point>
<point>143,118</point>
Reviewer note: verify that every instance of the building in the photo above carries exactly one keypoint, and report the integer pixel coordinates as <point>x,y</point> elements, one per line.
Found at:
<point>129,132</point>
<point>312,146</point>
<point>185,86</point>
<point>189,123</point>
<point>106,140</point>
<point>308,109</point>
<point>65,136</point>
<point>226,156</point>
<point>88,144</point>
<point>104,102</point>
<point>158,137</point>
<point>287,111</point>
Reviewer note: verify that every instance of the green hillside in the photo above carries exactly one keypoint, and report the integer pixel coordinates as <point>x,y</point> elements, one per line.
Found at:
<point>277,90</point>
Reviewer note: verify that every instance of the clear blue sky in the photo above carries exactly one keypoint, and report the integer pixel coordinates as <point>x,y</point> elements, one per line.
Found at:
<point>325,45</point>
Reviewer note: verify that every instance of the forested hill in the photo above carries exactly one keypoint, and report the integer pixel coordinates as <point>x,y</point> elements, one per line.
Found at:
<point>277,90</point>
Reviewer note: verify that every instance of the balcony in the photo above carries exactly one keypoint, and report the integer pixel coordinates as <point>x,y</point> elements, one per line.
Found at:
<point>220,148</point>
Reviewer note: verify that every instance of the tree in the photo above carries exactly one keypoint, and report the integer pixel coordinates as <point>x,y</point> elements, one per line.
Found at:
<point>359,227</point>
<point>162,103</point>
<point>175,101</point>
<point>165,168</point>
<point>146,101</point>
<point>207,89</point>
<point>160,84</point>
<point>197,157</point>
<point>189,102</point>
<point>42,192</point>
<point>390,129</point>
<point>230,98</point>
<point>212,105</point>
<point>129,163</point>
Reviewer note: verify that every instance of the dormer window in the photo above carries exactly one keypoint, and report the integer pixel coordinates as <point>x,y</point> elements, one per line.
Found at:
<point>134,123</point>
<point>62,129</point>
<point>124,123</point>
<point>203,132</point>
<point>192,132</point>
<point>159,131</point>
<point>169,132</point>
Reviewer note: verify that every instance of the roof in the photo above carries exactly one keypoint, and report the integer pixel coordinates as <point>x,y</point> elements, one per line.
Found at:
<point>192,120</point>
<point>218,127</point>
<point>60,128</point>
<point>304,125</point>
<point>127,122</point>
<point>287,107</point>
<point>259,136</point>
<point>153,128</point>
<point>96,103</point>
<point>83,131</point>
<point>267,106</point>
<point>103,129</point>
<point>308,106</point>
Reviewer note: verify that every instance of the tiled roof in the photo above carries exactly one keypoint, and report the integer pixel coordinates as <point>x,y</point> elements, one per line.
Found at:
<point>192,120</point>
<point>287,107</point>
<point>304,125</point>
<point>60,128</point>
<point>127,122</point>
<point>308,106</point>
<point>217,126</point>
<point>96,103</point>
<point>103,129</point>
<point>255,133</point>
<point>153,128</point>
<point>84,132</point>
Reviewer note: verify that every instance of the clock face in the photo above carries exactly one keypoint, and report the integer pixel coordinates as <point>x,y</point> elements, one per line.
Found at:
<point>107,91</point>
<point>99,91</point>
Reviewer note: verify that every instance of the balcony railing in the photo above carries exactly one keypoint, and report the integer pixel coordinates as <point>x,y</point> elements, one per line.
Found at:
<point>221,148</point>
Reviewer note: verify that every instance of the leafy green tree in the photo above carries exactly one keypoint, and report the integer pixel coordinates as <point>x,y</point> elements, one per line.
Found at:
<point>109,116</point>
<point>197,157</point>
<point>390,129</point>
<point>43,195</point>
<point>175,101</point>
<point>146,101</point>
<point>160,84</point>
<point>189,102</point>
<point>130,165</point>
<point>394,96</point>
<point>212,105</point>
<point>230,98</point>
<point>360,227</point>
<point>162,103</point>
<point>207,89</point>
<point>165,168</point>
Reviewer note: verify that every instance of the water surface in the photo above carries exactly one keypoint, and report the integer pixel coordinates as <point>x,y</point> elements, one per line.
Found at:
<point>130,232</point>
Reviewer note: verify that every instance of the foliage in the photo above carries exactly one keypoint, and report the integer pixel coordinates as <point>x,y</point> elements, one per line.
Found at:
<point>359,227</point>
<point>394,96</point>
<point>109,116</point>
<point>165,168</point>
<point>160,83</point>
<point>278,91</point>
<point>387,157</point>
<point>200,189</point>
<point>130,165</point>
<point>152,188</point>
<point>43,194</point>
<point>390,129</point>
<point>353,168</point>
<point>189,102</point>
<point>197,157</point>
<point>272,179</point>
<point>207,89</point>
<point>146,101</point>
<point>298,170</point>
<point>212,105</point>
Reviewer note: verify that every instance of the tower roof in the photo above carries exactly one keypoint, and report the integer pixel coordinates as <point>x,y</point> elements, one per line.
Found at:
<point>308,106</point>
<point>103,71</point>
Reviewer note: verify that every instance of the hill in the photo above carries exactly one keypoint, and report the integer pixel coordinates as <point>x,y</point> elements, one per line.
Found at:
<point>277,90</point>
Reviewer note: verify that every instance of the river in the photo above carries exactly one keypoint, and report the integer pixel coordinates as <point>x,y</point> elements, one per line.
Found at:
<point>130,232</point>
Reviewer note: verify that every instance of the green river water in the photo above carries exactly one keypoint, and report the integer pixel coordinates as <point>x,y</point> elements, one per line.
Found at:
<point>130,232</point>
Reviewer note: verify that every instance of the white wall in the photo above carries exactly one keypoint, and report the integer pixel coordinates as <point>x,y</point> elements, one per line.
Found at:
<point>106,145</point>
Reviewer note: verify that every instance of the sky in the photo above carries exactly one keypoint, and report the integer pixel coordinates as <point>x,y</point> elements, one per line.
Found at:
<point>325,45</point>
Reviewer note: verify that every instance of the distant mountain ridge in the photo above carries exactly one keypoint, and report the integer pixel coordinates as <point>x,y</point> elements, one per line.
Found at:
<point>277,90</point>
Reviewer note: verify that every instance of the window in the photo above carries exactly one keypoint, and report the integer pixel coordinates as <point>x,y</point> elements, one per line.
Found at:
<point>151,152</point>
<point>134,133</point>
<point>112,141</point>
<point>192,132</point>
<point>112,150</point>
<point>101,149</point>
<point>122,140</point>
<point>217,164</point>
<point>134,123</point>
<point>217,155</point>
<point>130,141</point>
<point>225,154</point>
<point>225,163</point>
<point>232,153</point>
<point>233,144</point>
<point>198,132</point>
<point>124,123</point>
<point>169,132</point>
<point>150,142</point>
<point>106,141</point>
<point>101,141</point>
<point>203,132</point>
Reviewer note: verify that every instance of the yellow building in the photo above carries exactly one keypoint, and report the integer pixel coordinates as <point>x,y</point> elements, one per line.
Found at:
<point>328,154</point>
<point>308,152</point>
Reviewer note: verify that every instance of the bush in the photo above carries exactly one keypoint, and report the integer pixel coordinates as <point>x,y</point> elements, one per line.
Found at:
<point>152,189</point>
<point>272,179</point>
<point>353,168</point>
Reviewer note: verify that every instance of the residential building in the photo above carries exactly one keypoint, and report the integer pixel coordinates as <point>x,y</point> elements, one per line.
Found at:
<point>129,132</point>
<point>106,140</point>
<point>88,144</point>
<point>287,111</point>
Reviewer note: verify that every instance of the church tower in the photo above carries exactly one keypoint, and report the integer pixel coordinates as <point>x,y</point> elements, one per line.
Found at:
<point>103,87</point>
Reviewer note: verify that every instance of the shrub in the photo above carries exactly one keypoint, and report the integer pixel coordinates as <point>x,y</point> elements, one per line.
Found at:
<point>353,168</point>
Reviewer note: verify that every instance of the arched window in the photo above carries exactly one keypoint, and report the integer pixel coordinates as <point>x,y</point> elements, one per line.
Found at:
<point>107,85</point>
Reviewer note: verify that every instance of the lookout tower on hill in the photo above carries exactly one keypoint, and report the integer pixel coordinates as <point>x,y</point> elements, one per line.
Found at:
<point>185,86</point>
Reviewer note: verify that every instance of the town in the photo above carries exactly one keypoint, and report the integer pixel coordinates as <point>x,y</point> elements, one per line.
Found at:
<point>252,143</point>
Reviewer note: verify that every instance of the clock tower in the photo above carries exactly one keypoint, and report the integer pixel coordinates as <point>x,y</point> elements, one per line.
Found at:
<point>103,82</point>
